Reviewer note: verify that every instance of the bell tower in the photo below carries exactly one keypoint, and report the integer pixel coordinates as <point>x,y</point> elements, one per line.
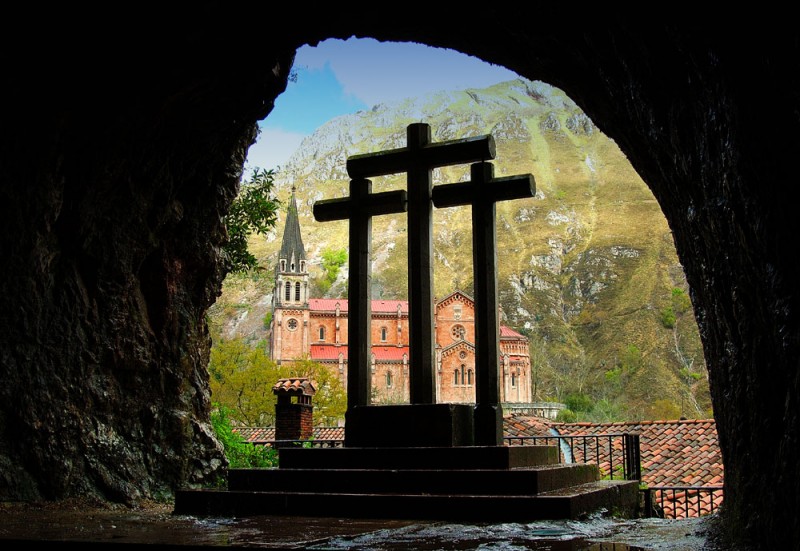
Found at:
<point>289,326</point>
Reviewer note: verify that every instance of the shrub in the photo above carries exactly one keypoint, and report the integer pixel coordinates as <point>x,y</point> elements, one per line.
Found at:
<point>240,453</point>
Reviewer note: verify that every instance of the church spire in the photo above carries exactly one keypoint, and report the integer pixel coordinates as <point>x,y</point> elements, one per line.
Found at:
<point>292,251</point>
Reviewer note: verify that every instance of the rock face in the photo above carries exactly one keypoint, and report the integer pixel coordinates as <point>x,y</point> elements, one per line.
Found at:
<point>115,174</point>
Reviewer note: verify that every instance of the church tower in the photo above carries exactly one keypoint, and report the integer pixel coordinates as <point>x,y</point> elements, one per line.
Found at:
<point>289,335</point>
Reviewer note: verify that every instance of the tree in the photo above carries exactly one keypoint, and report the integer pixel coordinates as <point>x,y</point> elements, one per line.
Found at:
<point>332,261</point>
<point>254,210</point>
<point>241,381</point>
<point>242,378</point>
<point>330,402</point>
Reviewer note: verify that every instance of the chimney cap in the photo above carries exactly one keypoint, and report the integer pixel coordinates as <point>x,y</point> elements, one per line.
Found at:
<point>299,386</point>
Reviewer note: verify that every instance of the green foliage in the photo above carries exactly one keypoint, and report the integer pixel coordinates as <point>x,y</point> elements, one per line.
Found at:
<point>681,303</point>
<point>578,402</point>
<point>267,319</point>
<point>664,409</point>
<point>241,379</point>
<point>242,376</point>
<point>668,317</point>
<point>330,401</point>
<point>690,375</point>
<point>332,261</point>
<point>253,211</point>
<point>240,453</point>
<point>566,416</point>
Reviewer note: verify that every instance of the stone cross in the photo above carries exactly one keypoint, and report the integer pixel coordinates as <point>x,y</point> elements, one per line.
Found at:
<point>359,208</point>
<point>418,160</point>
<point>482,192</point>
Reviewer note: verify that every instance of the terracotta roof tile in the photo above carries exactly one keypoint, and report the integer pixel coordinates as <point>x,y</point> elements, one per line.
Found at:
<point>674,453</point>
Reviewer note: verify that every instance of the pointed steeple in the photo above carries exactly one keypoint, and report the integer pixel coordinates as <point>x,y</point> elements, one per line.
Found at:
<point>292,250</point>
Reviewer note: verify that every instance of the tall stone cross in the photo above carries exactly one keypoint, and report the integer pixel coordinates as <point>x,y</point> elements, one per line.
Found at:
<point>418,160</point>
<point>359,208</point>
<point>482,192</point>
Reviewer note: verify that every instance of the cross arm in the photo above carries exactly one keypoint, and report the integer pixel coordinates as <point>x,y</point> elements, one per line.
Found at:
<point>394,161</point>
<point>387,202</point>
<point>502,189</point>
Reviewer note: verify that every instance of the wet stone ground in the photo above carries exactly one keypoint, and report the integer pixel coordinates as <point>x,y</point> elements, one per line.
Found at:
<point>154,524</point>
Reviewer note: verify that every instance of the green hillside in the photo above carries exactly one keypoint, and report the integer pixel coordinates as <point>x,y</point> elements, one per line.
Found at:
<point>587,268</point>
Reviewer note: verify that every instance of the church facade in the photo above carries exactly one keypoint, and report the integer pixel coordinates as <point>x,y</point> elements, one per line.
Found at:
<point>316,328</point>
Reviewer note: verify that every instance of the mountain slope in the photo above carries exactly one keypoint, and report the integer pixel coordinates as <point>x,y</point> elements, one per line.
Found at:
<point>587,268</point>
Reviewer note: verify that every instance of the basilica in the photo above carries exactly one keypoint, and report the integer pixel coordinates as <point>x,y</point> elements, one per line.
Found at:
<point>316,328</point>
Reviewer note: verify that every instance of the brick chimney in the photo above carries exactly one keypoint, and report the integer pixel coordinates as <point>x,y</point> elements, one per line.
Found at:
<point>294,419</point>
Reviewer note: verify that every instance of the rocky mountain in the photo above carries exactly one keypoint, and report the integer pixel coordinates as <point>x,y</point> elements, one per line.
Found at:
<point>587,268</point>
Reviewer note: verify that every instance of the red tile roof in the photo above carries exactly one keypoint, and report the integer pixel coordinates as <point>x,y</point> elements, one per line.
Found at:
<point>508,332</point>
<point>322,352</point>
<point>382,306</point>
<point>673,453</point>
<point>295,385</point>
<point>390,353</point>
<point>264,435</point>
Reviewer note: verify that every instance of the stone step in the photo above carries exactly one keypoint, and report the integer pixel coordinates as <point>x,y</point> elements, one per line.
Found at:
<point>440,458</point>
<point>620,496</point>
<point>518,481</point>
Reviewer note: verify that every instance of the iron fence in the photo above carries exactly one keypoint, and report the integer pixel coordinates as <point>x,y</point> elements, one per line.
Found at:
<point>682,501</point>
<point>617,455</point>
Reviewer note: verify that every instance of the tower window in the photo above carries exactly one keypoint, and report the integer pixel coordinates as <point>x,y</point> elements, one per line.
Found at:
<point>513,379</point>
<point>288,292</point>
<point>388,379</point>
<point>292,266</point>
<point>291,324</point>
<point>384,332</point>
<point>302,265</point>
<point>322,332</point>
<point>283,265</point>
<point>297,291</point>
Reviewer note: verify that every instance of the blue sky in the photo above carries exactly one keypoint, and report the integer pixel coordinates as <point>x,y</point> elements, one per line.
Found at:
<point>338,77</point>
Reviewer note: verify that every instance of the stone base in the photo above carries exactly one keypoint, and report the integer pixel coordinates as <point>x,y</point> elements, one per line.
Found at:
<point>410,425</point>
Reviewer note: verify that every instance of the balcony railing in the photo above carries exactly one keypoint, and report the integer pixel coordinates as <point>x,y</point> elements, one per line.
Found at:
<point>682,501</point>
<point>617,454</point>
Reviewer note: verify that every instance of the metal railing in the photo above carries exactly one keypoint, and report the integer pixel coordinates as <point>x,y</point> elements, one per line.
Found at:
<point>616,454</point>
<point>681,501</point>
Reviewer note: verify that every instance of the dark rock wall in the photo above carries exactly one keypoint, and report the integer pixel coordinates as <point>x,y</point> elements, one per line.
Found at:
<point>115,177</point>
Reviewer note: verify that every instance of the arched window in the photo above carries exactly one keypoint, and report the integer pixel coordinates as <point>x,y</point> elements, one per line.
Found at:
<point>469,377</point>
<point>283,265</point>
<point>455,381</point>
<point>292,266</point>
<point>322,332</point>
<point>288,293</point>
<point>513,379</point>
<point>384,332</point>
<point>388,379</point>
<point>302,265</point>
<point>297,291</point>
